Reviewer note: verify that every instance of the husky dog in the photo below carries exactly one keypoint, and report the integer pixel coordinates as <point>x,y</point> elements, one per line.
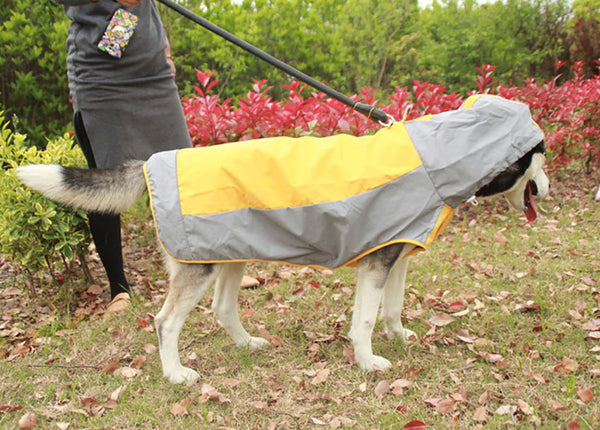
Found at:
<point>381,268</point>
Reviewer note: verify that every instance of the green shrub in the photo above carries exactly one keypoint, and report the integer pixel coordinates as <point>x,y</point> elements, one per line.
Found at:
<point>33,70</point>
<point>36,233</point>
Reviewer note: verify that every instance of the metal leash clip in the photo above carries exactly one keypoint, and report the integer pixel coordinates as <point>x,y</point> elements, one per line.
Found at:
<point>473,201</point>
<point>390,121</point>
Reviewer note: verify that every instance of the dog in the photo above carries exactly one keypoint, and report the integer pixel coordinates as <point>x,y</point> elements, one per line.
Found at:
<point>509,163</point>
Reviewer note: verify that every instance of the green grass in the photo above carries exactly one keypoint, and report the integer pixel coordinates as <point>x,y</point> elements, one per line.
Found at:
<point>509,360</point>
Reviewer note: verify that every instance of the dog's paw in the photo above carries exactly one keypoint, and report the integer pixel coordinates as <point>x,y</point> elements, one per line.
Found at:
<point>257,343</point>
<point>374,362</point>
<point>183,375</point>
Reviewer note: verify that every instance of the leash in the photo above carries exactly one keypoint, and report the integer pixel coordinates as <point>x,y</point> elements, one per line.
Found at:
<point>369,111</point>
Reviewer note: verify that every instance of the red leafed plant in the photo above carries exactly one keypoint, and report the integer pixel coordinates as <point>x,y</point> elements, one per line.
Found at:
<point>569,113</point>
<point>485,79</point>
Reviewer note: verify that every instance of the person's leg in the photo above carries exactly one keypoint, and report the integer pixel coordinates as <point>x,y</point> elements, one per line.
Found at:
<point>105,228</point>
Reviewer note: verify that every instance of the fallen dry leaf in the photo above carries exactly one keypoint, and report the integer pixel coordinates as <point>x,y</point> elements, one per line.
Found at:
<point>456,306</point>
<point>442,406</point>
<point>249,282</point>
<point>397,387</point>
<point>321,377</point>
<point>539,377</point>
<point>440,320</point>
<point>500,238</point>
<point>496,359</point>
<point>110,366</point>
<point>230,382</point>
<point>403,409</point>
<point>586,395</point>
<point>338,422</point>
<point>528,306</point>
<point>180,408</point>
<point>95,290</point>
<point>139,361</point>
<point>92,406</point>
<point>415,425</point>
<point>127,372</point>
<point>259,405</point>
<point>446,406</point>
<point>593,335</point>
<point>556,406</point>
<point>480,414</point>
<point>591,325</point>
<point>118,393</point>
<point>566,366</point>
<point>506,410</point>
<point>382,388</point>
<point>349,354</point>
<point>248,313</point>
<point>275,384</point>
<point>433,401</point>
<point>574,425</point>
<point>525,407</point>
<point>10,408</point>
<point>150,348</point>
<point>210,393</point>
<point>485,398</point>
<point>28,421</point>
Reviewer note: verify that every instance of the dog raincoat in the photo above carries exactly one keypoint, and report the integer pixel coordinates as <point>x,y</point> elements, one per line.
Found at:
<point>329,201</point>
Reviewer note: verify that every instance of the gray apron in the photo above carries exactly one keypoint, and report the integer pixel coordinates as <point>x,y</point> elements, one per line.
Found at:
<point>129,106</point>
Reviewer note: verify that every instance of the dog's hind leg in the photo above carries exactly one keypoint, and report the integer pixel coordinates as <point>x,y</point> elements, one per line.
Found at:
<point>225,306</point>
<point>393,299</point>
<point>373,271</point>
<point>188,282</point>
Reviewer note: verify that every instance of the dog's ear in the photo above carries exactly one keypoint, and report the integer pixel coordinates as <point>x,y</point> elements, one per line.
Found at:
<point>505,180</point>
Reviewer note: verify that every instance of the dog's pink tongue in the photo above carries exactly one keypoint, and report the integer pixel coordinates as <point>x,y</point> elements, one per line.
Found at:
<point>530,211</point>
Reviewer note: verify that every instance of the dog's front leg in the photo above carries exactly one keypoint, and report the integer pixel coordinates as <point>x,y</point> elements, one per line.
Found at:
<point>188,282</point>
<point>373,271</point>
<point>225,306</point>
<point>393,299</point>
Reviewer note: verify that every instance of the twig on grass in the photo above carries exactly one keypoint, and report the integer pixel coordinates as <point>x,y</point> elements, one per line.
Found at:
<point>63,366</point>
<point>296,419</point>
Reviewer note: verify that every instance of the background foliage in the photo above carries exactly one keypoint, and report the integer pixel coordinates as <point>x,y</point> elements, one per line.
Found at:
<point>568,113</point>
<point>33,72</point>
<point>390,53</point>
<point>347,44</point>
<point>37,233</point>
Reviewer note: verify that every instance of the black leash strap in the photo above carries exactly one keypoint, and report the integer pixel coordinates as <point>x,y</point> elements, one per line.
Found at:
<point>368,110</point>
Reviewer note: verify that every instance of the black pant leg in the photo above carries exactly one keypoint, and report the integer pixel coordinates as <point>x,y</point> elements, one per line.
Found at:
<point>105,228</point>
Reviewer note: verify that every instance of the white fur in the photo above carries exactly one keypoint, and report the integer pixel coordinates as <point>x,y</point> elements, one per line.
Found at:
<point>535,172</point>
<point>188,283</point>
<point>393,300</point>
<point>45,178</point>
<point>372,285</point>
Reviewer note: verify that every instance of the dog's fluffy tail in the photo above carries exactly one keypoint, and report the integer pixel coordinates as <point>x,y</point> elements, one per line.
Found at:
<point>96,190</point>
